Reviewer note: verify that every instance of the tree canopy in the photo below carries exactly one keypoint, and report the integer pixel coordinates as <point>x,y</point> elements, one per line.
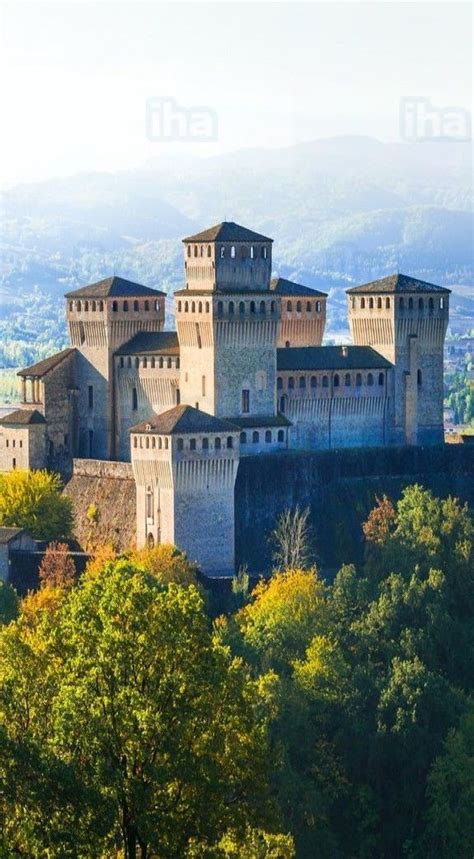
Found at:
<point>33,500</point>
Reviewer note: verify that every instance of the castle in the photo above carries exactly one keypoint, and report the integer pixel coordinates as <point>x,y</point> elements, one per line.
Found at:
<point>244,373</point>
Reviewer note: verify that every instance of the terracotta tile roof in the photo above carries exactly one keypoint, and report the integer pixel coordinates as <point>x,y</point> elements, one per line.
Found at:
<point>151,343</point>
<point>397,283</point>
<point>113,286</point>
<point>288,287</point>
<point>227,231</point>
<point>184,419</point>
<point>330,358</point>
<point>43,367</point>
<point>24,417</point>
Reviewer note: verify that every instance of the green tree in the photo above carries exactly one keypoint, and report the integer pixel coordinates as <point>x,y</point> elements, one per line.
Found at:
<point>8,603</point>
<point>33,500</point>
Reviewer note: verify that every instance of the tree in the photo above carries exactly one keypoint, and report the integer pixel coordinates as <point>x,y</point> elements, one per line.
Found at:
<point>57,568</point>
<point>292,540</point>
<point>33,500</point>
<point>167,563</point>
<point>125,686</point>
<point>8,603</point>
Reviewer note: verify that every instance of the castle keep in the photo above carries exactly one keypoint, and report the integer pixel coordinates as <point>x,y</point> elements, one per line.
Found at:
<point>244,373</point>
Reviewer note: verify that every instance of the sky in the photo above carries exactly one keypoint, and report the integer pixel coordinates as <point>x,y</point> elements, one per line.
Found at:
<point>80,80</point>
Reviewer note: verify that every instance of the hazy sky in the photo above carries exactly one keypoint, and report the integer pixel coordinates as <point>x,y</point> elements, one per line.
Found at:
<point>76,77</point>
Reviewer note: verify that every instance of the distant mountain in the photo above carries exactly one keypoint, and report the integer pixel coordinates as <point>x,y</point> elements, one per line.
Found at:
<point>341,211</point>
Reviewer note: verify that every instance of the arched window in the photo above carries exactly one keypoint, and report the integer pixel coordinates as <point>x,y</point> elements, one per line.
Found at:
<point>318,307</point>
<point>78,305</point>
<point>152,363</point>
<point>298,306</point>
<point>289,306</point>
<point>134,399</point>
<point>220,308</point>
<point>192,444</point>
<point>230,442</point>
<point>302,382</point>
<point>101,305</point>
<point>387,303</point>
<point>262,307</point>
<point>282,404</point>
<point>86,305</point>
<point>419,377</point>
<point>136,306</point>
<point>193,307</point>
<point>231,308</point>
<point>121,361</point>
<point>325,382</point>
<point>268,436</point>
<point>137,362</point>
<point>242,308</point>
<point>308,307</point>
<point>166,442</point>
<point>217,443</point>
<point>157,306</point>
<point>153,441</point>
<point>232,252</point>
<point>264,252</point>
<point>170,363</point>
<point>279,383</point>
<point>252,252</point>
<point>180,444</point>
<point>379,303</point>
<point>371,303</point>
<point>160,442</point>
<point>205,444</point>
<point>207,307</point>
<point>410,304</point>
<point>222,254</point>
<point>243,438</point>
<point>287,344</point>
<point>370,379</point>
<point>281,435</point>
<point>71,305</point>
<point>201,250</point>
<point>189,250</point>
<point>273,307</point>
<point>145,362</point>
<point>401,304</point>
<point>252,307</point>
<point>381,379</point>
<point>314,382</point>
<point>347,380</point>
<point>129,361</point>
<point>431,305</point>
<point>195,250</point>
<point>358,380</point>
<point>93,306</point>
<point>161,363</point>
<point>147,442</point>
<point>291,383</point>
<point>125,306</point>
<point>362,303</point>
<point>200,307</point>
<point>179,306</point>
<point>186,307</point>
<point>336,380</point>
<point>147,305</point>
<point>243,252</point>
<point>441,304</point>
<point>421,304</point>
<point>209,252</point>
<point>255,437</point>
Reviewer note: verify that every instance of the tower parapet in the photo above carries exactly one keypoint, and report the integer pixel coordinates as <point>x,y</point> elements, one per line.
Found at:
<point>405,319</point>
<point>228,257</point>
<point>303,313</point>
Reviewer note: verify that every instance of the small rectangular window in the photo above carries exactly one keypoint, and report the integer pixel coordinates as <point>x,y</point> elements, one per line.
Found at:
<point>91,396</point>
<point>134,399</point>
<point>245,401</point>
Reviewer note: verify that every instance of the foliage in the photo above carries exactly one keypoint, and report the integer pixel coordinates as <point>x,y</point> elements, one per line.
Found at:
<point>33,500</point>
<point>92,513</point>
<point>292,540</point>
<point>167,563</point>
<point>103,555</point>
<point>57,568</point>
<point>9,603</point>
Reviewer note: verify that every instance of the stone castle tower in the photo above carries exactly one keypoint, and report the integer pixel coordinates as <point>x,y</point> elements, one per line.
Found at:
<point>227,322</point>
<point>101,318</point>
<point>405,320</point>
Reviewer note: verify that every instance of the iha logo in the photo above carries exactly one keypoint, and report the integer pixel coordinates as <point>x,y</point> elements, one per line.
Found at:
<point>167,121</point>
<point>421,121</point>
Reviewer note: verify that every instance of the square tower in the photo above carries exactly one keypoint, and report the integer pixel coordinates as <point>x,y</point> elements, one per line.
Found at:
<point>227,321</point>
<point>405,319</point>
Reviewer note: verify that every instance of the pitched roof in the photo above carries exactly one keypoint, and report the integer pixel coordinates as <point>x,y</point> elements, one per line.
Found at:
<point>288,287</point>
<point>184,419</point>
<point>330,358</point>
<point>8,534</point>
<point>113,286</point>
<point>23,416</point>
<point>227,231</point>
<point>151,343</point>
<point>43,367</point>
<point>397,283</point>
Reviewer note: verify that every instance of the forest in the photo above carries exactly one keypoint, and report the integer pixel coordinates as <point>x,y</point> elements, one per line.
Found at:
<point>143,714</point>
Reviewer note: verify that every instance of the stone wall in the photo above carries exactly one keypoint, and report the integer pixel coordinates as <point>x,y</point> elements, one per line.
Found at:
<point>340,487</point>
<point>110,487</point>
